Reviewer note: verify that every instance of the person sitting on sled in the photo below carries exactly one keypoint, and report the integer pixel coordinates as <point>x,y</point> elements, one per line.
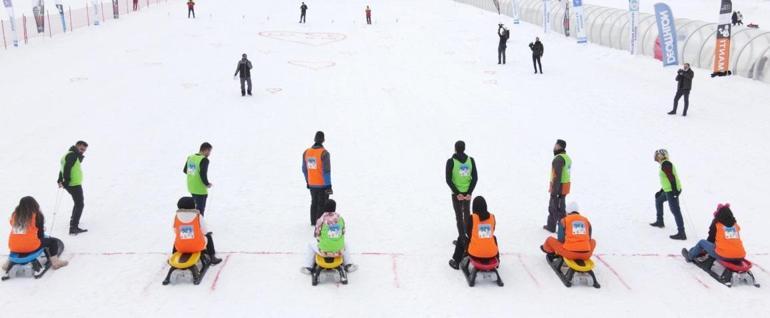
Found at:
<point>481,229</point>
<point>724,240</point>
<point>189,227</point>
<point>574,237</point>
<point>329,238</point>
<point>28,233</point>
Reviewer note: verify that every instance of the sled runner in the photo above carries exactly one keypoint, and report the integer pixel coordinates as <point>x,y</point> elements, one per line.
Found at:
<point>196,264</point>
<point>328,265</point>
<point>732,273</point>
<point>487,267</point>
<point>568,270</point>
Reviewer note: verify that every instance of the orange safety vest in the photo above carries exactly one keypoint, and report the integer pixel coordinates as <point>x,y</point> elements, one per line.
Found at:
<point>483,243</point>
<point>577,233</point>
<point>24,240</point>
<point>728,242</point>
<point>315,168</point>
<point>189,237</point>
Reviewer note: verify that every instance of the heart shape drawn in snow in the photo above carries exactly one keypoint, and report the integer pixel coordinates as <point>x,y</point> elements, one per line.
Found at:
<point>274,90</point>
<point>313,65</point>
<point>307,38</point>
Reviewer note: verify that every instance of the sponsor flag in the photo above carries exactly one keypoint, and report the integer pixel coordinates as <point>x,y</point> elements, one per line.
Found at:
<point>580,31</point>
<point>60,8</point>
<point>515,13</point>
<point>546,16</point>
<point>115,9</point>
<point>12,18</point>
<point>722,49</point>
<point>497,5</point>
<point>38,10</point>
<point>667,34</point>
<point>633,12</point>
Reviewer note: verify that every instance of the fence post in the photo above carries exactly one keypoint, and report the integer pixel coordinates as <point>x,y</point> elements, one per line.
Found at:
<point>2,26</point>
<point>24,23</point>
<point>50,32</point>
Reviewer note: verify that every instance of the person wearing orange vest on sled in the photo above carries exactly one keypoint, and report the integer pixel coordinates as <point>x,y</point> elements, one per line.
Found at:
<point>28,233</point>
<point>481,229</point>
<point>724,240</point>
<point>316,166</point>
<point>574,237</point>
<point>189,229</point>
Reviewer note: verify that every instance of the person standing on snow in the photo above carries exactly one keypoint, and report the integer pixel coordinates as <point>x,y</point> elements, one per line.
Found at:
<point>316,166</point>
<point>684,84</point>
<point>191,8</point>
<point>368,15</point>
<point>71,179</point>
<point>461,177</point>
<point>670,190</point>
<point>537,53</point>
<point>197,170</point>
<point>244,69</point>
<point>504,34</point>
<point>561,182</point>
<point>302,13</point>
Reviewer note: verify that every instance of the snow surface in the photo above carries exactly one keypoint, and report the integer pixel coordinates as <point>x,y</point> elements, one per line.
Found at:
<point>392,98</point>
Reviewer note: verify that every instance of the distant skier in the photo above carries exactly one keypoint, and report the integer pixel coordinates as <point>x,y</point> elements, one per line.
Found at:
<point>302,13</point>
<point>670,190</point>
<point>191,9</point>
<point>504,34</point>
<point>190,232</point>
<point>561,182</point>
<point>574,239</point>
<point>244,70</point>
<point>368,12</point>
<point>329,238</point>
<point>684,84</point>
<point>482,242</point>
<point>197,170</point>
<point>537,53</point>
<point>28,235</point>
<point>71,179</point>
<point>316,166</point>
<point>724,240</point>
<point>461,177</point>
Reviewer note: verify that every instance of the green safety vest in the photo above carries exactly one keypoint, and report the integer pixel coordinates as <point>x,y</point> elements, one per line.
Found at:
<point>76,174</point>
<point>665,183</point>
<point>332,239</point>
<point>462,174</point>
<point>566,170</point>
<point>195,184</point>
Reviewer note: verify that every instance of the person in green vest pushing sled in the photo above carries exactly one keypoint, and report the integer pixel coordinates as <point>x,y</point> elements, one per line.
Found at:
<point>670,190</point>
<point>461,177</point>
<point>196,168</point>
<point>328,250</point>
<point>71,179</point>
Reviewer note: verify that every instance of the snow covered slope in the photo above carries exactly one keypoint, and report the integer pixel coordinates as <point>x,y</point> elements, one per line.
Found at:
<point>392,98</point>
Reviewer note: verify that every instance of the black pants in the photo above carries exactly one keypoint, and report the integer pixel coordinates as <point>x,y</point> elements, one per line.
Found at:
<point>318,199</point>
<point>556,211</point>
<point>209,245</point>
<point>302,17</point>
<point>245,85</point>
<point>679,94</point>
<point>673,205</point>
<point>501,54</point>
<point>52,244</point>
<point>200,202</point>
<point>368,20</point>
<point>462,216</point>
<point>536,63</point>
<point>460,248</point>
<point>77,210</point>
<point>190,11</point>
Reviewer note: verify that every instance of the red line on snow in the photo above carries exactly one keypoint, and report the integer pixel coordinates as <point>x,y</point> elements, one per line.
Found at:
<point>521,260</point>
<point>613,271</point>
<point>672,256</point>
<point>151,282</point>
<point>394,268</point>
<point>216,278</point>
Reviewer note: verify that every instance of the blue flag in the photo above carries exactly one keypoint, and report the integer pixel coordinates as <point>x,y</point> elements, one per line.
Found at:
<point>667,34</point>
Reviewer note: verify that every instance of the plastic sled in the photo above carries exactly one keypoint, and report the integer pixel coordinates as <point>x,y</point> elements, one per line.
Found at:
<point>472,266</point>
<point>328,264</point>
<point>33,264</point>
<point>729,273</point>
<point>569,270</point>
<point>196,264</point>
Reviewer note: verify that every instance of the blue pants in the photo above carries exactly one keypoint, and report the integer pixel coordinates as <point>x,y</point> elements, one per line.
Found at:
<point>673,204</point>
<point>200,202</point>
<point>704,246</point>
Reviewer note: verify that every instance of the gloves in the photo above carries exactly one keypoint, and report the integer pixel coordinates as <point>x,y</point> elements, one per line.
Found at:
<point>658,194</point>
<point>329,191</point>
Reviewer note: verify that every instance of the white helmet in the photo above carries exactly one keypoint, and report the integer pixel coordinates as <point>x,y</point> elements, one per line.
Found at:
<point>662,154</point>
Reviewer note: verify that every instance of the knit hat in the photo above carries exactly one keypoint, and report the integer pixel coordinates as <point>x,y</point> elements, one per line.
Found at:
<point>186,203</point>
<point>319,137</point>
<point>572,207</point>
<point>330,206</point>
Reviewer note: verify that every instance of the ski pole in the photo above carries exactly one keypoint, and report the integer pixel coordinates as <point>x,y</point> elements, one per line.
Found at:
<point>56,208</point>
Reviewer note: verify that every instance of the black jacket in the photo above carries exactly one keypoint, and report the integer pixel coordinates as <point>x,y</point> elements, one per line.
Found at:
<point>69,161</point>
<point>684,79</point>
<point>204,170</point>
<point>303,8</point>
<point>668,169</point>
<point>243,68</point>
<point>558,166</point>
<point>722,217</point>
<point>537,49</point>
<point>450,166</point>
<point>504,35</point>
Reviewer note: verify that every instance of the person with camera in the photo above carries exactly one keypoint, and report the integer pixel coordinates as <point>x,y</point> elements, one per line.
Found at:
<point>684,84</point>
<point>504,34</point>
